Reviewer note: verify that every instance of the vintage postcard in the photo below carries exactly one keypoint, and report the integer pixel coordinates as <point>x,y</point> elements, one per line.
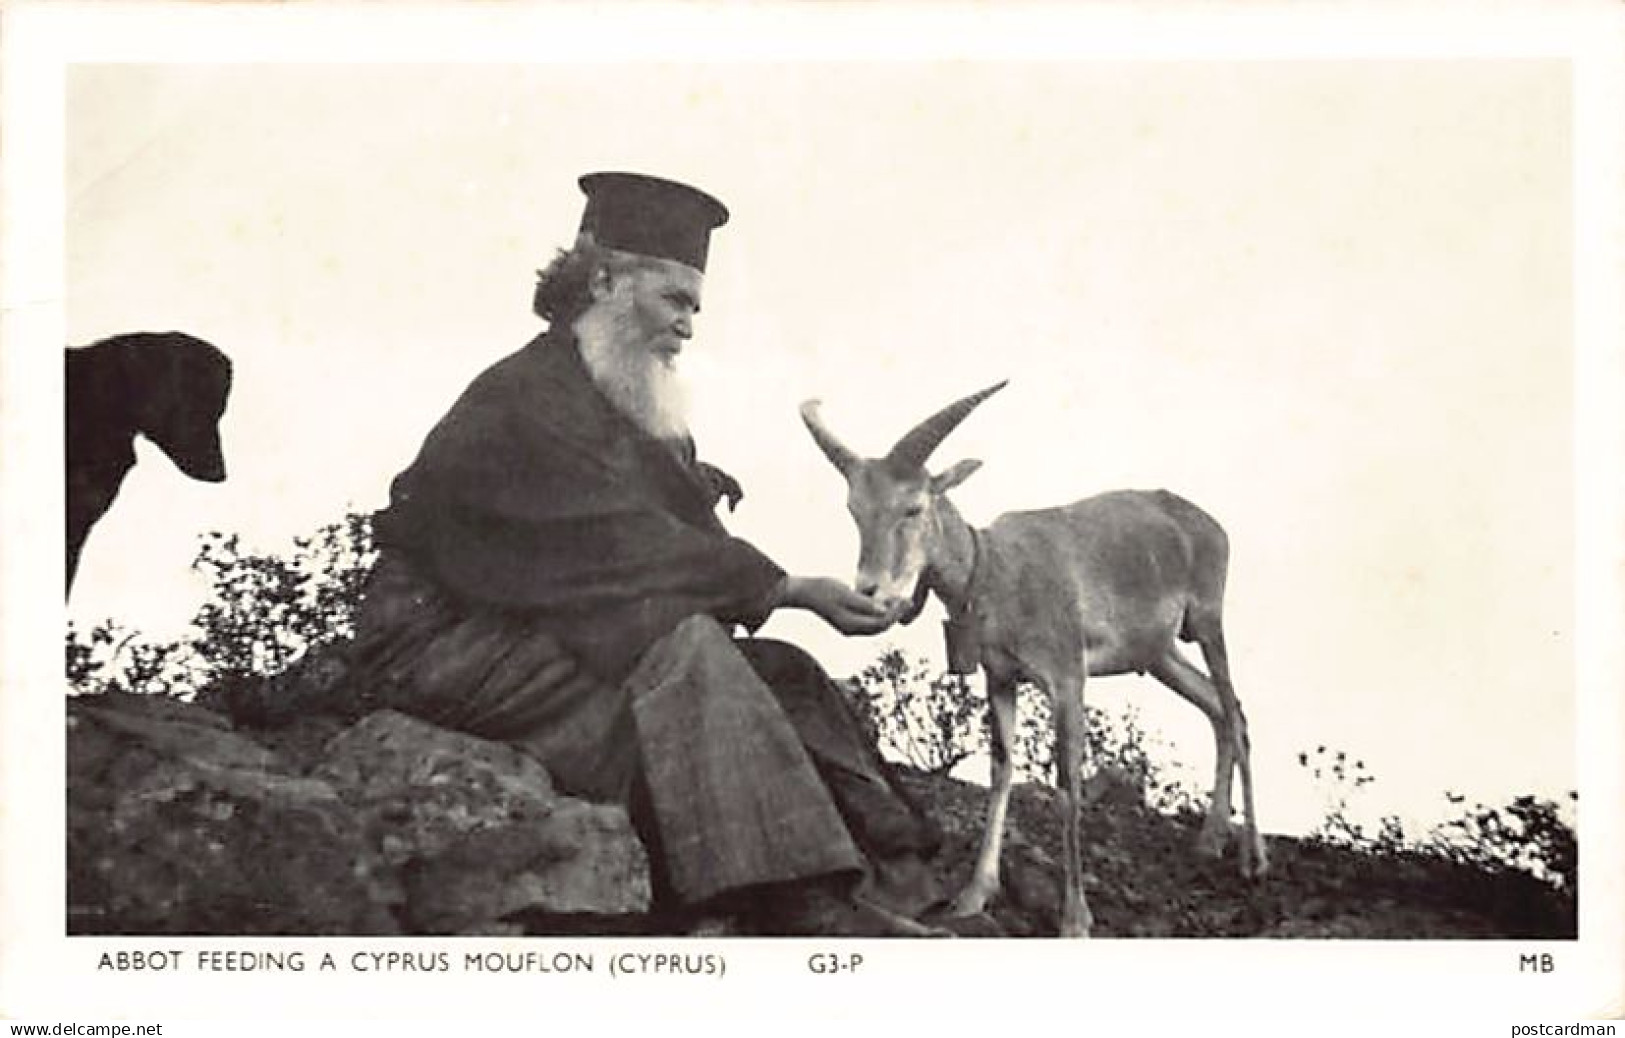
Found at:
<point>400,579</point>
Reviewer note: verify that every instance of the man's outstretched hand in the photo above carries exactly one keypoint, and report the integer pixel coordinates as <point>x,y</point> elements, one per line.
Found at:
<point>838,605</point>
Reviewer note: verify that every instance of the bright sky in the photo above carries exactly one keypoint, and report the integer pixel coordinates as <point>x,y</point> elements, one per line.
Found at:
<point>1329,302</point>
<point>1312,275</point>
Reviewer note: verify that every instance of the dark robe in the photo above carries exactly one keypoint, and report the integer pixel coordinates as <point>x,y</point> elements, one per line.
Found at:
<point>552,576</point>
<point>535,495</point>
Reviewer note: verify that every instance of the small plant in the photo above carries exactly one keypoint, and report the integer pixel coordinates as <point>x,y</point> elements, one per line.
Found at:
<point>268,610</point>
<point>265,610</point>
<point>113,658</point>
<point>934,722</point>
<point>930,722</point>
<point>1115,742</point>
<point>1529,835</point>
<point>1340,780</point>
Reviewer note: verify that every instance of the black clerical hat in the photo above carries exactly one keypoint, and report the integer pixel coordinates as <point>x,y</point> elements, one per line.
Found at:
<point>650,216</point>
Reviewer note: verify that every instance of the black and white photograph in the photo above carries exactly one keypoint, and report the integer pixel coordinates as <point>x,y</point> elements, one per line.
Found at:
<point>650,504</point>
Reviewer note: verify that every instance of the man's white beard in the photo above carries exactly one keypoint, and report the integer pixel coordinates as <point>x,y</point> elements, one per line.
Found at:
<point>637,381</point>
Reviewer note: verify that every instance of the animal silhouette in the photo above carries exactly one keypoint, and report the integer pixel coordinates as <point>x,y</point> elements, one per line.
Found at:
<point>170,387</point>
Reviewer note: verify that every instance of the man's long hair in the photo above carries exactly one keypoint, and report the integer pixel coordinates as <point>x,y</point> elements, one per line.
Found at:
<point>564,286</point>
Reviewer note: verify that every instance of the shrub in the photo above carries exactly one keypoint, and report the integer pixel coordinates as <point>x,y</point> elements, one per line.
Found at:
<point>268,610</point>
<point>264,611</point>
<point>934,722</point>
<point>1111,741</point>
<point>1340,780</point>
<point>113,658</point>
<point>930,722</point>
<point>1528,836</point>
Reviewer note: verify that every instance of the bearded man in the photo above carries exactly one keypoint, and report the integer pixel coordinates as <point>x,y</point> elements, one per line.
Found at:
<point>553,573</point>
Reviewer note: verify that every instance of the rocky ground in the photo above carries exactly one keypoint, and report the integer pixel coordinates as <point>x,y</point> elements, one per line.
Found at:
<point>180,823</point>
<point>183,819</point>
<point>1144,879</point>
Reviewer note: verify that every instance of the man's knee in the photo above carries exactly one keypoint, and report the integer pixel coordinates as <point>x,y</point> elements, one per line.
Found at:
<point>699,654</point>
<point>693,636</point>
<point>786,668</point>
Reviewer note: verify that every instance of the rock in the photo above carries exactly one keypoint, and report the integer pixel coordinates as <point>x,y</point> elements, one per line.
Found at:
<point>187,820</point>
<point>388,756</point>
<point>1032,879</point>
<point>583,862</point>
<point>480,827</point>
<point>178,823</point>
<point>157,708</point>
<point>979,925</point>
<point>1111,785</point>
<point>303,741</point>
